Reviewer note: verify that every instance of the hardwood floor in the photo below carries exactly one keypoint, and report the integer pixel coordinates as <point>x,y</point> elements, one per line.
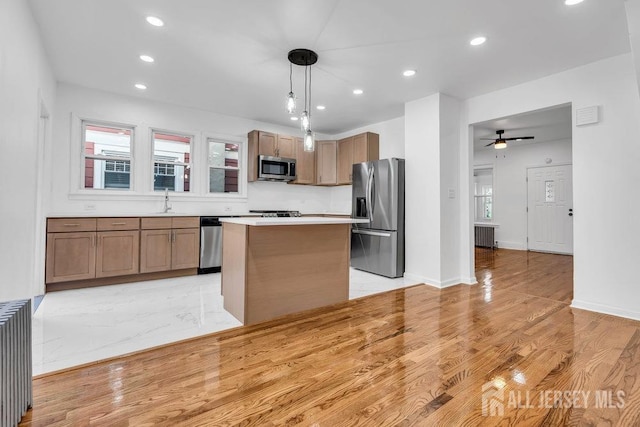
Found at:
<point>415,356</point>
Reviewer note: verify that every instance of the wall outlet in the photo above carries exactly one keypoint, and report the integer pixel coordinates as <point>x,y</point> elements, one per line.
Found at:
<point>452,193</point>
<point>227,208</point>
<point>89,207</point>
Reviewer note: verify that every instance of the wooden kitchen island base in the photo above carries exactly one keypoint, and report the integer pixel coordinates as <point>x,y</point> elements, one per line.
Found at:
<point>269,270</point>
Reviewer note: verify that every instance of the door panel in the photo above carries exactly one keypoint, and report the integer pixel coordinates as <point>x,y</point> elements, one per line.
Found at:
<point>70,256</point>
<point>376,251</point>
<point>384,194</point>
<point>155,250</point>
<point>117,253</point>
<point>185,250</point>
<point>550,209</point>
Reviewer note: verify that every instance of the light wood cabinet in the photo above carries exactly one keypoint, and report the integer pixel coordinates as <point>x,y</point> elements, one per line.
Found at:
<point>326,163</point>
<point>97,249</point>
<point>117,253</point>
<point>355,149</point>
<point>305,164</point>
<point>70,256</point>
<point>169,244</point>
<point>155,250</point>
<point>101,247</point>
<point>185,248</point>
<point>331,163</point>
<point>267,144</point>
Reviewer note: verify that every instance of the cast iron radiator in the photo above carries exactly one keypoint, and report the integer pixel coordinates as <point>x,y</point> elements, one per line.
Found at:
<point>485,236</point>
<point>16,394</point>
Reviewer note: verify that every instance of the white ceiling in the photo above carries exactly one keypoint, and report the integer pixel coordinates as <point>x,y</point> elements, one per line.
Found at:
<point>231,56</point>
<point>551,124</point>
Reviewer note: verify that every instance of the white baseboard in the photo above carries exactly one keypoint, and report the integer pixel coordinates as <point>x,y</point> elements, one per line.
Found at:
<point>606,309</point>
<point>519,246</point>
<point>469,280</point>
<point>431,282</point>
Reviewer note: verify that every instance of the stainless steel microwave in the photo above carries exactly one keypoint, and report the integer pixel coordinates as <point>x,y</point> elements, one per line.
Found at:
<point>276,168</point>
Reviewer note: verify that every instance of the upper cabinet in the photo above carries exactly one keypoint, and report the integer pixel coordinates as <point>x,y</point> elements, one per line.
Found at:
<point>355,149</point>
<point>305,164</point>
<point>326,162</point>
<point>331,163</point>
<point>268,144</point>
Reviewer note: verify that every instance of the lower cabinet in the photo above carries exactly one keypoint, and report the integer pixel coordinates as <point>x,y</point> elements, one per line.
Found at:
<point>164,246</point>
<point>117,253</point>
<point>70,256</point>
<point>97,248</point>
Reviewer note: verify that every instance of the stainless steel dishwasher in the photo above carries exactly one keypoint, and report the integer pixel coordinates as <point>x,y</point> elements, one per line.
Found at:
<point>210,245</point>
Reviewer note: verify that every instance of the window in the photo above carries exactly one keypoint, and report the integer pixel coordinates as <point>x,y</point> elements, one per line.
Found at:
<point>171,162</point>
<point>483,183</point>
<point>107,156</point>
<point>223,167</point>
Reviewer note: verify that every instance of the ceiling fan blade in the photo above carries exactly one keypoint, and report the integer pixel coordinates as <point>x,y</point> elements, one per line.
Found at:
<point>518,138</point>
<point>487,139</point>
<point>489,145</point>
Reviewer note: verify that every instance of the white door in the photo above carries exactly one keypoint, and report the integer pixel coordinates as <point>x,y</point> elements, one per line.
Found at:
<point>550,209</point>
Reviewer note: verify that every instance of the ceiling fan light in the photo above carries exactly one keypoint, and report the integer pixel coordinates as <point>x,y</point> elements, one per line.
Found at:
<point>291,103</point>
<point>499,145</point>
<point>309,143</point>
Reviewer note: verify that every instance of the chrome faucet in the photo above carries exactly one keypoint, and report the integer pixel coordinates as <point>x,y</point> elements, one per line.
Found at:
<point>167,206</point>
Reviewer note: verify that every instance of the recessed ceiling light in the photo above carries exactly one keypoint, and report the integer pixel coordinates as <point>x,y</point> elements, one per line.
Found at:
<point>155,21</point>
<point>572,2</point>
<point>321,107</point>
<point>140,86</point>
<point>409,73</point>
<point>146,58</point>
<point>294,118</point>
<point>478,41</point>
<point>358,91</point>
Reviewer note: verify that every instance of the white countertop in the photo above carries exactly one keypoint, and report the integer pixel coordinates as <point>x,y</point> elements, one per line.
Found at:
<point>149,214</point>
<point>305,220</point>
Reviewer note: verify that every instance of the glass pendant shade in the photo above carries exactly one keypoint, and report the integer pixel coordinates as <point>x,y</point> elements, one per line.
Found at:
<point>304,121</point>
<point>499,145</point>
<point>309,141</point>
<point>291,103</point>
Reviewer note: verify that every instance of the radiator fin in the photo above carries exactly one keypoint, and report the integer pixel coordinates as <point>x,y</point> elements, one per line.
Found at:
<point>485,236</point>
<point>16,394</point>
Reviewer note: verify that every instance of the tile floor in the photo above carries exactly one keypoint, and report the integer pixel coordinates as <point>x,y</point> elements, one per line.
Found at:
<point>84,325</point>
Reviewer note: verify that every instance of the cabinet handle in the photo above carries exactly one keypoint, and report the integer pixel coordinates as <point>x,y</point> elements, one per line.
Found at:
<point>118,223</point>
<point>169,237</point>
<point>72,225</point>
<point>173,236</point>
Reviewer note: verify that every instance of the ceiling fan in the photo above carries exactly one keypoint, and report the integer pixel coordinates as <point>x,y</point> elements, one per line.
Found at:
<point>501,142</point>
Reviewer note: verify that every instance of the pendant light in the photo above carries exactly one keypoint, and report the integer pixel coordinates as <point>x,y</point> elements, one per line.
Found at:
<point>304,58</point>
<point>291,98</point>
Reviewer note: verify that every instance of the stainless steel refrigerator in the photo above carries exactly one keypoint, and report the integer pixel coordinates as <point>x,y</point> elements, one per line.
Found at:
<point>378,196</point>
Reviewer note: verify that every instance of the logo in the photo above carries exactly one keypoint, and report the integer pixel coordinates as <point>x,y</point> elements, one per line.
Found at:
<point>493,399</point>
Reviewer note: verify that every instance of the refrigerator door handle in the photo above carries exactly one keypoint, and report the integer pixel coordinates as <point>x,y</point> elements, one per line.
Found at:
<point>370,233</point>
<point>369,195</point>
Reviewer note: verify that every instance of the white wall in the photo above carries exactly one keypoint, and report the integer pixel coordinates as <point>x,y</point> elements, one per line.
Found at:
<point>510,185</point>
<point>605,174</point>
<point>422,189</point>
<point>26,81</point>
<point>75,103</point>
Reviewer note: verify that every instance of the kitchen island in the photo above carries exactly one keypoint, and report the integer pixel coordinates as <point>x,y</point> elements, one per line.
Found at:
<point>277,266</point>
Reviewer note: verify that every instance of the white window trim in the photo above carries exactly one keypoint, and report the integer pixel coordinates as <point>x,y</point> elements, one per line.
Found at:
<point>193,188</point>
<point>76,167</point>
<point>141,184</point>
<point>242,165</point>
